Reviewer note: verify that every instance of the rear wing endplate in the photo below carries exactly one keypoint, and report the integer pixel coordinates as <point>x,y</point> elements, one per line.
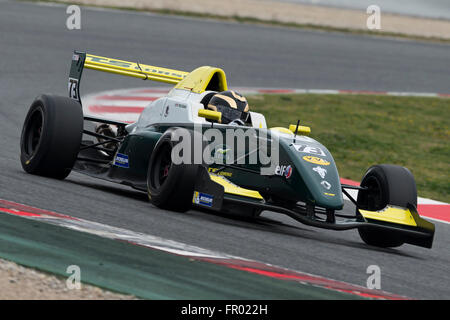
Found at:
<point>76,70</point>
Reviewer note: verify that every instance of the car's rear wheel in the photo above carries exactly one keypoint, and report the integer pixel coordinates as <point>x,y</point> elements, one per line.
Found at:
<point>170,186</point>
<point>385,184</point>
<point>51,136</point>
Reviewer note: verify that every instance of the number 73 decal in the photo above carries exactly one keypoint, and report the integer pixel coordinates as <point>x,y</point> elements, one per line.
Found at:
<point>73,88</point>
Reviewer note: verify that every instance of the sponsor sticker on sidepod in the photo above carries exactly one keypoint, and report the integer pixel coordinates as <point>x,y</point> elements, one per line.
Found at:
<point>121,160</point>
<point>284,171</point>
<point>203,199</point>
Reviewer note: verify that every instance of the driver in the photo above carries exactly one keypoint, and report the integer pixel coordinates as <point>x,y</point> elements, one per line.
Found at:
<point>232,105</point>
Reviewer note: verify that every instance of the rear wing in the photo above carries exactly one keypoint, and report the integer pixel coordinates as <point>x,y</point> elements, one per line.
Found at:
<point>81,60</point>
<point>199,80</point>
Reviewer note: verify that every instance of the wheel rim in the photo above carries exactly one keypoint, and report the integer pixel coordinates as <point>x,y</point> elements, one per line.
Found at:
<point>162,166</point>
<point>372,199</point>
<point>33,132</point>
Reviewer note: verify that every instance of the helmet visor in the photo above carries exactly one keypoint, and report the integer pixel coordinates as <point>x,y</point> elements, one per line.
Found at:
<point>230,114</point>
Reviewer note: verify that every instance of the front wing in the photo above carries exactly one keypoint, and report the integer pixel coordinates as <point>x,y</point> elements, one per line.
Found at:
<point>219,194</point>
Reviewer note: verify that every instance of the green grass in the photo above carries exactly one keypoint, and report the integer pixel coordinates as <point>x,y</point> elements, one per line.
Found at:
<point>363,130</point>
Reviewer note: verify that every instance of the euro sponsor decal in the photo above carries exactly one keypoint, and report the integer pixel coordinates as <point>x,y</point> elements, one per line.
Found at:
<point>203,199</point>
<point>316,160</point>
<point>121,160</point>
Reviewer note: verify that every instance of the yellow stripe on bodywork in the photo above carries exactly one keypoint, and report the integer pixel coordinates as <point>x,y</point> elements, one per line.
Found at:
<point>133,69</point>
<point>196,81</point>
<point>231,188</point>
<point>282,130</point>
<point>391,214</point>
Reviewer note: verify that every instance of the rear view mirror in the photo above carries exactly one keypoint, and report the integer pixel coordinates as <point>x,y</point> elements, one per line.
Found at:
<point>210,115</point>
<point>302,130</point>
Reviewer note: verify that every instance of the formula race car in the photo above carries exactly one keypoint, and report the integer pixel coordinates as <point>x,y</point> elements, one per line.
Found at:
<point>200,146</point>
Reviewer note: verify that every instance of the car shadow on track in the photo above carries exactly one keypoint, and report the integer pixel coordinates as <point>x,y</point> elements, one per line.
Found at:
<point>116,189</point>
<point>260,223</point>
<point>266,224</point>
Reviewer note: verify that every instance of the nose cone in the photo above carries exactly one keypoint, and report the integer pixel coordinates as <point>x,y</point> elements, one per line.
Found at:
<point>317,171</point>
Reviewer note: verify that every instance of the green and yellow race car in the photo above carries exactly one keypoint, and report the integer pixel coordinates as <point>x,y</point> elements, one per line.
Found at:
<point>201,146</point>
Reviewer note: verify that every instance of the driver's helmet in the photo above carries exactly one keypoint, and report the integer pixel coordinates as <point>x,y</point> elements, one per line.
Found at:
<point>231,104</point>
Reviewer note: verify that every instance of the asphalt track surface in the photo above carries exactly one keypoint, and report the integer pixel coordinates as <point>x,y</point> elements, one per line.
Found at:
<point>35,51</point>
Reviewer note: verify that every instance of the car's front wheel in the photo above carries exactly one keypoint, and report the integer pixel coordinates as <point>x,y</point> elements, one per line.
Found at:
<point>385,184</point>
<point>170,186</point>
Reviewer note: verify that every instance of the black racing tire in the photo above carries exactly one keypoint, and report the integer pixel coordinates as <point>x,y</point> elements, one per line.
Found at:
<point>170,186</point>
<point>387,184</point>
<point>51,136</point>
